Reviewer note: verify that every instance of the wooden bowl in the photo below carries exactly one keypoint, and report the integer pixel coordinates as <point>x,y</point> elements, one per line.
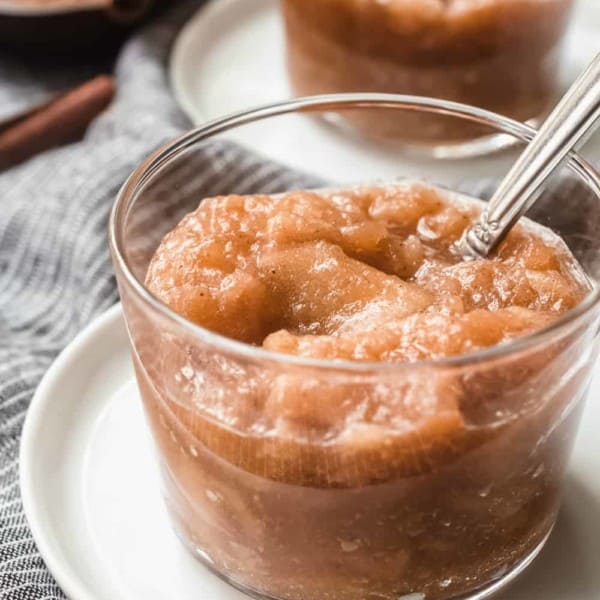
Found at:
<point>68,23</point>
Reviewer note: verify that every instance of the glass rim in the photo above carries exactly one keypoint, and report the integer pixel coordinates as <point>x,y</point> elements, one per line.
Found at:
<point>161,157</point>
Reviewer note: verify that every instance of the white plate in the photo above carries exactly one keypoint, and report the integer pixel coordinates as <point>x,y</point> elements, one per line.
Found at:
<point>230,56</point>
<point>35,8</point>
<point>91,492</point>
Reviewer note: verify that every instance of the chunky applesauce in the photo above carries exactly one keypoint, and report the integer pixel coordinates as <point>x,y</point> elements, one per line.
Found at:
<point>502,55</point>
<point>388,470</point>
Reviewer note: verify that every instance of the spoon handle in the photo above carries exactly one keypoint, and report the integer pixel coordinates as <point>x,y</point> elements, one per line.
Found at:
<point>573,117</point>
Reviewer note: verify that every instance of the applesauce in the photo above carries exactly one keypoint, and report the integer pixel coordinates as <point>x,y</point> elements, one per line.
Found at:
<point>501,55</point>
<point>434,481</point>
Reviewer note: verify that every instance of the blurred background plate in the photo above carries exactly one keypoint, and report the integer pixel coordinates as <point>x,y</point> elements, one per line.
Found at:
<point>40,8</point>
<point>231,56</point>
<point>31,24</point>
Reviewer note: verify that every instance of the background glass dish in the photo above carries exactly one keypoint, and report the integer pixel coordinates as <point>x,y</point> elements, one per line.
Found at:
<point>448,513</point>
<point>498,55</point>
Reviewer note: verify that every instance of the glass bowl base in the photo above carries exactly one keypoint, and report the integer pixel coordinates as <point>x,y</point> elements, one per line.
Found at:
<point>490,590</point>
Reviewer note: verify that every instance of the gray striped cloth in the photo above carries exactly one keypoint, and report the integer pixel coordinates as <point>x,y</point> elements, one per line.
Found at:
<point>55,272</point>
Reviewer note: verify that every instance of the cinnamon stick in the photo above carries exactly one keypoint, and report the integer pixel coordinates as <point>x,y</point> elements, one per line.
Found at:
<point>58,122</point>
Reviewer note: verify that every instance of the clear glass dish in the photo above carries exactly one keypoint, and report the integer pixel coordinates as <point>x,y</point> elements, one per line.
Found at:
<point>453,511</point>
<point>501,55</point>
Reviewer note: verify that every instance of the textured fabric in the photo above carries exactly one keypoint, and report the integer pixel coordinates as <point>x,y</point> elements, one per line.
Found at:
<point>55,272</point>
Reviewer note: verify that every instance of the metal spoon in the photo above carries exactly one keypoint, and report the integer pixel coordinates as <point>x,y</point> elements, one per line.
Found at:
<point>568,123</point>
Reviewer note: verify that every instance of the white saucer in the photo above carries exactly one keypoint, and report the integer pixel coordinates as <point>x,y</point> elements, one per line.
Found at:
<point>44,9</point>
<point>230,56</point>
<point>91,491</point>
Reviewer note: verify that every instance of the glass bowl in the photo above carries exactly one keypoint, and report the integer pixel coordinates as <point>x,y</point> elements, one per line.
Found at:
<point>498,55</point>
<point>453,504</point>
